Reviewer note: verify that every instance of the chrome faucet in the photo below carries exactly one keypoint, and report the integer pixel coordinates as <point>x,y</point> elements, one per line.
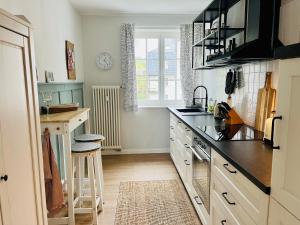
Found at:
<point>206,96</point>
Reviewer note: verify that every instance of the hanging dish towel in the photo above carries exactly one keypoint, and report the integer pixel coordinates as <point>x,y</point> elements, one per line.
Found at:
<point>53,186</point>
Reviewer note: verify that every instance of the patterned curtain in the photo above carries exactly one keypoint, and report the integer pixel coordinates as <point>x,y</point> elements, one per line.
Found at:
<point>189,79</point>
<point>128,72</point>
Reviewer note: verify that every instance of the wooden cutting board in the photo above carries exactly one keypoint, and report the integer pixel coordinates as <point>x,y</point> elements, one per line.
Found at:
<point>265,103</point>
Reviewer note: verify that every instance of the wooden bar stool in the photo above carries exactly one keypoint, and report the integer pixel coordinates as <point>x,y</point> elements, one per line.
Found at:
<point>89,151</point>
<point>83,138</point>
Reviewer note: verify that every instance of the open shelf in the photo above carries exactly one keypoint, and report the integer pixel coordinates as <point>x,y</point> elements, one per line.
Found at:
<point>212,11</point>
<point>212,38</point>
<point>208,67</point>
<point>256,39</point>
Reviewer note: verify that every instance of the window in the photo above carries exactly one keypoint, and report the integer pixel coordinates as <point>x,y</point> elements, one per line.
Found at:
<point>157,54</point>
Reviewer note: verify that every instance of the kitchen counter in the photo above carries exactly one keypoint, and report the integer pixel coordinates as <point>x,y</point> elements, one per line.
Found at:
<point>252,158</point>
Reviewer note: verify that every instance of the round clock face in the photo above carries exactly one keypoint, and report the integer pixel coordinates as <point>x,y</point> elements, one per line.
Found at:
<point>104,61</point>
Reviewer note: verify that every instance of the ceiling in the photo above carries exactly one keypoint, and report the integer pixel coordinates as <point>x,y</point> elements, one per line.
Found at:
<point>139,6</point>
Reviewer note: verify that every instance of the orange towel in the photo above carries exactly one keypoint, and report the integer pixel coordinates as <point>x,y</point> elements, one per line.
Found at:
<point>53,186</point>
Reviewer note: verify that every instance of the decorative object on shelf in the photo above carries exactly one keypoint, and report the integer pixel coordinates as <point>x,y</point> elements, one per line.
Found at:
<point>47,99</point>
<point>70,60</point>
<point>215,24</point>
<point>230,45</point>
<point>233,44</point>
<point>49,77</point>
<point>104,61</point>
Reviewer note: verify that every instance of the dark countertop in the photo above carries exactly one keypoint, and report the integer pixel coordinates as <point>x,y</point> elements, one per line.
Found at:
<point>252,158</point>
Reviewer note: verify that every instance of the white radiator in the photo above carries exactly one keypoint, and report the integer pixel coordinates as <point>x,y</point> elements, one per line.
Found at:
<point>106,102</point>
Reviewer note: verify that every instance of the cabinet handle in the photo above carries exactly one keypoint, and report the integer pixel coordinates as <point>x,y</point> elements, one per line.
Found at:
<point>5,178</point>
<point>197,200</point>
<point>80,120</point>
<point>186,163</point>
<point>186,145</point>
<point>224,194</point>
<point>187,129</point>
<point>226,167</point>
<point>171,139</point>
<point>172,128</point>
<point>272,132</point>
<point>178,121</point>
<point>223,222</point>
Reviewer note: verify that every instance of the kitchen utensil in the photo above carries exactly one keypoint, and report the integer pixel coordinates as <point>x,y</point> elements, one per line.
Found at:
<point>265,103</point>
<point>233,118</point>
<point>221,111</point>
<point>226,106</point>
<point>230,84</point>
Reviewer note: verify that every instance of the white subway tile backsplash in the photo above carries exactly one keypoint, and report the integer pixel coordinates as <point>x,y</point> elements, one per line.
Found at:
<point>244,99</point>
<point>257,67</point>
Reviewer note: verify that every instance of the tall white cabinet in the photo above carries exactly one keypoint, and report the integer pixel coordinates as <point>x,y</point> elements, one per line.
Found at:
<point>286,160</point>
<point>21,183</point>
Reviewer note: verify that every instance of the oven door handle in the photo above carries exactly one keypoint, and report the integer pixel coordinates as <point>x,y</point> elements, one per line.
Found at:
<point>195,153</point>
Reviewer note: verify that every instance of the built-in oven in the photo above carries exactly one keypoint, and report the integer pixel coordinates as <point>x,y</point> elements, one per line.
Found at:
<point>201,171</point>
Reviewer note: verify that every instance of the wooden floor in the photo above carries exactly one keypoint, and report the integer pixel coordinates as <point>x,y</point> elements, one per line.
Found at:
<point>130,168</point>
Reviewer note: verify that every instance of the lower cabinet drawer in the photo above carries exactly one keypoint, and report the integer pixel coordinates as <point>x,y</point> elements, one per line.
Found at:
<point>75,122</point>
<point>254,201</point>
<point>219,214</point>
<point>231,202</point>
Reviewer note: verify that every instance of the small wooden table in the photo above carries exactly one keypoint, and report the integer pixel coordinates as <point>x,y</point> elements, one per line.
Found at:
<point>63,124</point>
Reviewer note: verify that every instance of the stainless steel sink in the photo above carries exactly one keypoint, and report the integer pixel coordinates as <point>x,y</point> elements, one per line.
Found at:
<point>192,112</point>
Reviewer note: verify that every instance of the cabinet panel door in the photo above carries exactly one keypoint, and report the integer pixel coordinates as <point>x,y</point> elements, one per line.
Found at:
<point>280,216</point>
<point>18,193</point>
<point>286,166</point>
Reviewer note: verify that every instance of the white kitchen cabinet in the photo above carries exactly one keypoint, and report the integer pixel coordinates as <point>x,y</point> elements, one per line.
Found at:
<point>21,194</point>
<point>280,216</point>
<point>245,202</point>
<point>181,137</point>
<point>285,168</point>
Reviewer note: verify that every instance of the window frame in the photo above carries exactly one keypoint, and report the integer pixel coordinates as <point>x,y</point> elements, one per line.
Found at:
<point>161,35</point>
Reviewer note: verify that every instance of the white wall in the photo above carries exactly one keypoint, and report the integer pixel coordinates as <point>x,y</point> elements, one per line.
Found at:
<point>148,129</point>
<point>54,21</point>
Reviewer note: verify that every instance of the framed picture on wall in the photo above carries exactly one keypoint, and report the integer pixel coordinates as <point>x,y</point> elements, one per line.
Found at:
<point>70,59</point>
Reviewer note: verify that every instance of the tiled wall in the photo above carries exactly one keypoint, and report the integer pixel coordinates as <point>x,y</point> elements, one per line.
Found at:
<point>244,99</point>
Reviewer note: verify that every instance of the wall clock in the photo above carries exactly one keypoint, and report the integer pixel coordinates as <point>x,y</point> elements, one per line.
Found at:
<point>104,61</point>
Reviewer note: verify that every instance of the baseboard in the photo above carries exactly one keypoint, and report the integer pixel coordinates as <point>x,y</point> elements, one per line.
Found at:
<point>135,151</point>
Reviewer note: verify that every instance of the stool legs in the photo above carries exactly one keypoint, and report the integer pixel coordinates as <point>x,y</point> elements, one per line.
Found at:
<point>93,189</point>
<point>99,178</point>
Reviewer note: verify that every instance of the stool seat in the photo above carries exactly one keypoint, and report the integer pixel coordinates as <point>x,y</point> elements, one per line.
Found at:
<point>89,138</point>
<point>85,147</point>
